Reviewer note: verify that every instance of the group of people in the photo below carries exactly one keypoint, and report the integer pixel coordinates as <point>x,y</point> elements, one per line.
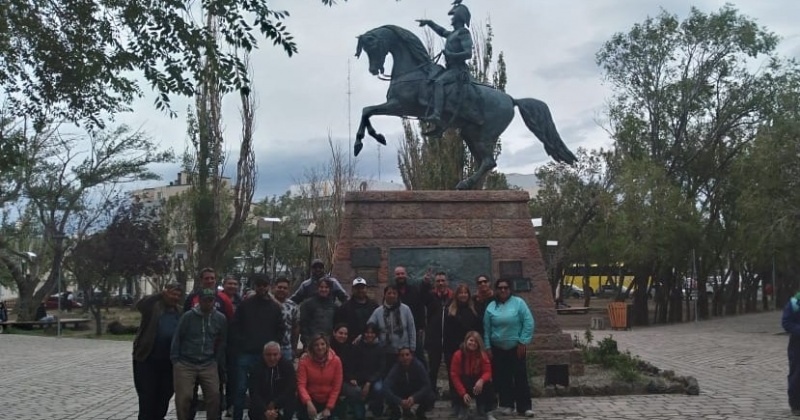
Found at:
<point>357,354</point>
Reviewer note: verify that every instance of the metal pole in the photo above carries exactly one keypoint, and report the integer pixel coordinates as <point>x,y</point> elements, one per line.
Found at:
<point>271,233</point>
<point>696,282</point>
<point>774,290</point>
<point>58,320</point>
<point>310,252</point>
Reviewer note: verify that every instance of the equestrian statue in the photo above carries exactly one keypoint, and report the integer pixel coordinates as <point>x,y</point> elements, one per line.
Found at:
<point>448,96</point>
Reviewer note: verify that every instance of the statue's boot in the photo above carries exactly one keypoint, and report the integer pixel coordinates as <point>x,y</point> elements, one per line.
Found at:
<point>437,127</point>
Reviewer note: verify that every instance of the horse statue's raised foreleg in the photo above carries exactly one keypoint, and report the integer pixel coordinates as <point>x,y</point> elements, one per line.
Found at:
<point>386,108</point>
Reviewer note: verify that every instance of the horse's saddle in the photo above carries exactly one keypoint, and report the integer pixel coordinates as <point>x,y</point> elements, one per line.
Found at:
<point>461,97</point>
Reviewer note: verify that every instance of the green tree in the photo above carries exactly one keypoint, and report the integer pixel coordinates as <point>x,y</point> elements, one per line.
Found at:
<point>79,59</point>
<point>688,103</point>
<point>68,189</point>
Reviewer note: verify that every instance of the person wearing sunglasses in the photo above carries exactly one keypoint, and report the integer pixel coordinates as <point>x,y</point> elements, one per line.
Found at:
<point>508,329</point>
<point>483,296</point>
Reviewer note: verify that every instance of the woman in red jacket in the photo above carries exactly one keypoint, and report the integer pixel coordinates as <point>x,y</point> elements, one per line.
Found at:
<point>319,379</point>
<point>471,373</point>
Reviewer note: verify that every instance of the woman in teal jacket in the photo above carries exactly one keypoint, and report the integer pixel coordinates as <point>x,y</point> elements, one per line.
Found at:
<point>508,329</point>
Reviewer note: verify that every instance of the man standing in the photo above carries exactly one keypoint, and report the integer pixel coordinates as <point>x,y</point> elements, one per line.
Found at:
<point>436,302</point>
<point>791,324</point>
<point>407,385</point>
<point>198,349</point>
<point>272,386</point>
<point>152,369</point>
<point>291,318</point>
<point>410,296</point>
<point>208,280</point>
<point>258,321</point>
<point>231,289</point>
<point>356,312</point>
<point>308,287</point>
<point>484,296</point>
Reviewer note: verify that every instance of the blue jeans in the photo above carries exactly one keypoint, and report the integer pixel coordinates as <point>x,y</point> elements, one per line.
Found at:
<point>243,364</point>
<point>286,354</point>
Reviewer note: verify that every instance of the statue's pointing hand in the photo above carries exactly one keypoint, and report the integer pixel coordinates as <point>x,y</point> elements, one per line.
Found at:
<point>423,22</point>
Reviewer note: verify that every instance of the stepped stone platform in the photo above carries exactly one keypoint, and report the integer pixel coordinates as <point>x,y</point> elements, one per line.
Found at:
<point>462,232</point>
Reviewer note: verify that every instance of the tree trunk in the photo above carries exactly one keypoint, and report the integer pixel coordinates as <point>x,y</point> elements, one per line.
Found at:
<point>640,299</point>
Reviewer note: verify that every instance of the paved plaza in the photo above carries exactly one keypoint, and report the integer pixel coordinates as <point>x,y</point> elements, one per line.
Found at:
<point>740,364</point>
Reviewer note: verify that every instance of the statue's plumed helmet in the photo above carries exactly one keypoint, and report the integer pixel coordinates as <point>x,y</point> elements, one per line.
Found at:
<point>461,12</point>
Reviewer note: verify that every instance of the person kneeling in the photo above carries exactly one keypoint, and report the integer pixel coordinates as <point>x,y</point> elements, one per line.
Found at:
<point>407,385</point>
<point>471,373</point>
<point>272,386</point>
<point>319,380</point>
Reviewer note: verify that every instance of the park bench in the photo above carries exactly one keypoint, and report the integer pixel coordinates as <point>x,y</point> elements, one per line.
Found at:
<point>573,310</point>
<point>66,322</point>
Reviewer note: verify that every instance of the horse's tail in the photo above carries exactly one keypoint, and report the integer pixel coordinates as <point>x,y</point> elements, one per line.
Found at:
<point>538,119</point>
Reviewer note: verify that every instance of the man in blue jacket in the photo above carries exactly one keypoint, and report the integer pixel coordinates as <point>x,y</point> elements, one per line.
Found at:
<point>407,385</point>
<point>791,323</point>
<point>198,349</point>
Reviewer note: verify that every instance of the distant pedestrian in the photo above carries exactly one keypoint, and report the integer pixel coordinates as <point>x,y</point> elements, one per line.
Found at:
<point>152,368</point>
<point>197,353</point>
<point>791,323</point>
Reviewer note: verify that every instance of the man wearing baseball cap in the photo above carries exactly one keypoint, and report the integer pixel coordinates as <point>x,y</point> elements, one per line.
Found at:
<point>355,312</point>
<point>198,349</point>
<point>308,287</point>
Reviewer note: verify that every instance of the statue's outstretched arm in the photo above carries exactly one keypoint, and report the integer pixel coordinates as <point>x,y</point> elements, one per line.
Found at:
<point>442,32</point>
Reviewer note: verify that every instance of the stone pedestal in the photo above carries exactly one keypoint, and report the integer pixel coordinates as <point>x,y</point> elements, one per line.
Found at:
<point>378,223</point>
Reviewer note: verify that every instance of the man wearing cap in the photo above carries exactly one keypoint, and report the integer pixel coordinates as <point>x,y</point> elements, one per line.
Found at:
<point>198,349</point>
<point>152,369</point>
<point>356,312</point>
<point>308,287</point>
<point>257,322</point>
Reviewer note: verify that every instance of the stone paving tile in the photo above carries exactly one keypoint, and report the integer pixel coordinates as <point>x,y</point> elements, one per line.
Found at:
<point>739,362</point>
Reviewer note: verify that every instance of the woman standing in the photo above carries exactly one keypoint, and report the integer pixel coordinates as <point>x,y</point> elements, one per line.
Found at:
<point>508,329</point>
<point>319,380</point>
<point>396,323</point>
<point>471,376</point>
<point>460,318</point>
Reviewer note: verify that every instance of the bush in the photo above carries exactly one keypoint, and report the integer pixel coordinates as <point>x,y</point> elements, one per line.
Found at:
<point>606,353</point>
<point>117,328</point>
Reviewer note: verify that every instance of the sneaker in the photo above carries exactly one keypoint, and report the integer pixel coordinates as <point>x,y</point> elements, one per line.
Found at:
<point>529,413</point>
<point>490,417</point>
<point>504,411</point>
<point>229,413</point>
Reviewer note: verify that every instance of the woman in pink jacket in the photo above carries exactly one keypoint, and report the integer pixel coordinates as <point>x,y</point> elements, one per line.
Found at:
<point>319,379</point>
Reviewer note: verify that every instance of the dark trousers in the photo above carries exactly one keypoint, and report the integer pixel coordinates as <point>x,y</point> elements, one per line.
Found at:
<point>425,403</point>
<point>153,382</point>
<point>484,402</point>
<point>435,358</point>
<point>510,375</point>
<point>794,380</point>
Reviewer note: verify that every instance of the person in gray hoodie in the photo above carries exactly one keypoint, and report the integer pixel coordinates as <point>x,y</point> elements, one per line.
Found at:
<point>396,323</point>
<point>198,348</point>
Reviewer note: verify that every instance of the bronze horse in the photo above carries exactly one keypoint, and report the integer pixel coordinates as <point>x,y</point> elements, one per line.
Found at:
<point>410,89</point>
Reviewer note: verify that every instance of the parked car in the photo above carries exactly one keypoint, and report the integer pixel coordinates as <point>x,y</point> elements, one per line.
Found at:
<point>52,303</point>
<point>573,291</point>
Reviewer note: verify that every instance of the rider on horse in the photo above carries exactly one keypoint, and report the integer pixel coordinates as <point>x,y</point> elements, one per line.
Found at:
<point>457,51</point>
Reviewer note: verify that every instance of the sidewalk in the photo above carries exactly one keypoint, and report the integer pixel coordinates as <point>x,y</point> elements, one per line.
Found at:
<point>740,363</point>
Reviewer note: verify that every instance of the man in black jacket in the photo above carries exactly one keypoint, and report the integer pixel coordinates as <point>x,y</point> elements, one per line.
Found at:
<point>356,312</point>
<point>152,368</point>
<point>410,296</point>
<point>258,321</point>
<point>436,302</point>
<point>407,385</point>
<point>273,383</point>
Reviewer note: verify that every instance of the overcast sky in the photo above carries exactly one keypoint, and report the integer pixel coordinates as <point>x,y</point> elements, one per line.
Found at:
<point>549,48</point>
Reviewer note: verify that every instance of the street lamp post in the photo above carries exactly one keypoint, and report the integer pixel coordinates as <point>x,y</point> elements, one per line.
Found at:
<point>270,235</point>
<point>309,232</point>
<point>59,238</point>
<point>552,256</point>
